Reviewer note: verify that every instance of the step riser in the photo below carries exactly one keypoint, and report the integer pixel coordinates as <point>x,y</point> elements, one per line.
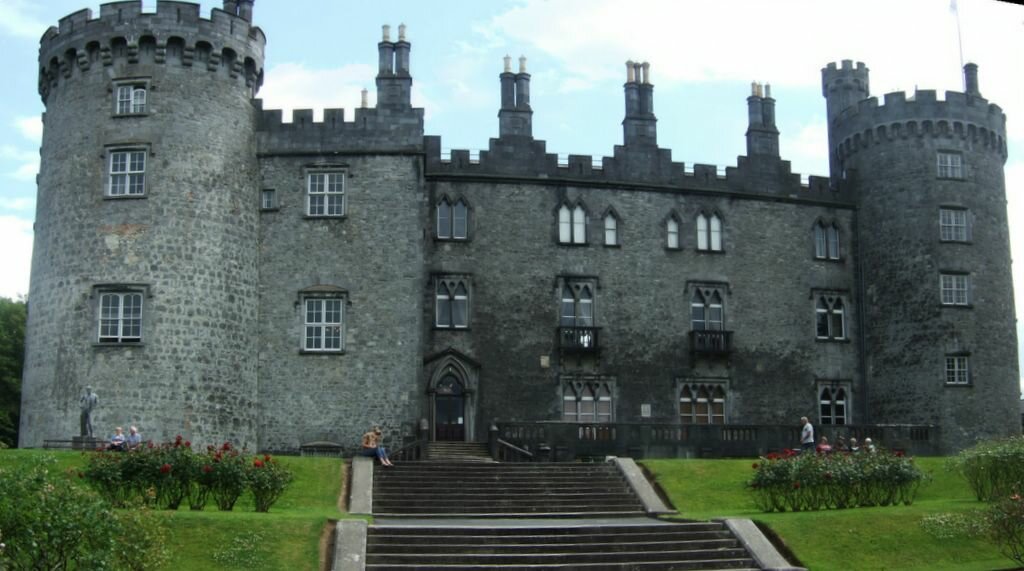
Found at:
<point>492,540</point>
<point>526,548</point>
<point>556,558</point>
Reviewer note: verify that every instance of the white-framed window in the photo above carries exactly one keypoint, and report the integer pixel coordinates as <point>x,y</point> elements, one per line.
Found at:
<point>451,307</point>
<point>949,165</point>
<point>323,324</point>
<point>577,305</point>
<point>958,370</point>
<point>120,317</point>
<point>952,224</point>
<point>706,312</point>
<point>672,233</point>
<point>587,401</point>
<point>325,194</point>
<point>826,241</point>
<point>611,230</point>
<point>572,225</point>
<point>954,288</point>
<point>127,173</point>
<point>709,233</point>
<point>130,98</point>
<point>268,199</point>
<point>452,220</point>
<point>830,317</point>
<point>833,404</point>
<point>702,403</point>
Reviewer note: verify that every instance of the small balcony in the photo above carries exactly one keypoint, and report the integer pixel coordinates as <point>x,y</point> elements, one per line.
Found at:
<point>578,339</point>
<point>710,342</point>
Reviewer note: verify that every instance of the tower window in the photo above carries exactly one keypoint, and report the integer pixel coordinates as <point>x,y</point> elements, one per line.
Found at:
<point>572,225</point>
<point>452,303</point>
<point>953,288</point>
<point>130,98</point>
<point>950,165</point>
<point>672,233</point>
<point>709,233</point>
<point>323,324</point>
<point>611,230</point>
<point>830,315</point>
<point>120,317</point>
<point>826,241</point>
<point>268,199</point>
<point>127,175</point>
<point>957,370</point>
<point>952,225</point>
<point>452,220</point>
<point>326,194</point>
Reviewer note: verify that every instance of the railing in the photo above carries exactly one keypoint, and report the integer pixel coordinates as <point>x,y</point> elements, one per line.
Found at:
<point>569,440</point>
<point>322,449</point>
<point>710,342</point>
<point>578,339</point>
<point>415,450</point>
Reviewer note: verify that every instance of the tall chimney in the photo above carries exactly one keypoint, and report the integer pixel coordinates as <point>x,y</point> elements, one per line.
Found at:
<point>971,80</point>
<point>515,118</point>
<point>245,10</point>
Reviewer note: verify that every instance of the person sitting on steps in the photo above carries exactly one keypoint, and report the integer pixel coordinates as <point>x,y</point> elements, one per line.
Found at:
<point>373,446</point>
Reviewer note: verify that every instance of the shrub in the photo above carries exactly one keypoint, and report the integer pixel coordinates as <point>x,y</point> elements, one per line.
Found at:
<point>1006,526</point>
<point>993,469</point>
<point>836,481</point>
<point>49,522</point>
<point>267,481</point>
<point>228,477</point>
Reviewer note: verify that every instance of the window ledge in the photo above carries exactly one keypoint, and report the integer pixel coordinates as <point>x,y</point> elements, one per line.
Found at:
<point>832,340</point>
<point>710,251</point>
<point>129,115</point>
<point>334,217</point>
<point>274,209</point>
<point>957,305</point>
<point>838,260</point>
<point>125,196</point>
<point>112,345</point>
<point>615,246</point>
<point>440,328</point>
<point>325,353</point>
<point>964,242</point>
<point>952,178</point>
<point>574,244</point>
<point>959,385</point>
<point>671,249</point>
<point>451,240</point>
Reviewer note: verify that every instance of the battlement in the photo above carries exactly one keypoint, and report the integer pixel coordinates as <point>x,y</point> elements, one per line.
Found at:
<point>373,129</point>
<point>174,31</point>
<point>959,115</point>
<point>766,177</point>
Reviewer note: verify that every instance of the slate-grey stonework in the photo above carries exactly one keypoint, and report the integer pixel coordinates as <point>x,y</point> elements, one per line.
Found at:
<point>224,277</point>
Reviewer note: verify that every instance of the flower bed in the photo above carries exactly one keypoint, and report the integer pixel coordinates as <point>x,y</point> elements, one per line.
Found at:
<point>168,474</point>
<point>802,482</point>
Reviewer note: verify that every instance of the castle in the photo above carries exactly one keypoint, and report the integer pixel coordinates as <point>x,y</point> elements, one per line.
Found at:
<point>217,272</point>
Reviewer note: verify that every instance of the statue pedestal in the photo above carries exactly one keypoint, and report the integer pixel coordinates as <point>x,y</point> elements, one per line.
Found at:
<point>85,443</point>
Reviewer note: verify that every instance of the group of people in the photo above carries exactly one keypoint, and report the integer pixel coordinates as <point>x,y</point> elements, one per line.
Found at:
<point>121,443</point>
<point>823,446</point>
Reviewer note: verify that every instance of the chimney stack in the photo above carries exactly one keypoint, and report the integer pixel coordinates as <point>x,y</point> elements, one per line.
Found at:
<point>639,127</point>
<point>515,118</point>
<point>971,80</point>
<point>762,135</point>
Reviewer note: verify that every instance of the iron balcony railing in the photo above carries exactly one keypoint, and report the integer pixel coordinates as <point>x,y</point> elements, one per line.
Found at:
<point>578,339</point>
<point>710,342</point>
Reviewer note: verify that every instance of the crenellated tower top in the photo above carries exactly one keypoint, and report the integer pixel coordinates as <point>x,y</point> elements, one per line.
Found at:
<point>174,33</point>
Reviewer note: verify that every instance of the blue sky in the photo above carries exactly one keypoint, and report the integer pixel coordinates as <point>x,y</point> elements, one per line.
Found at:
<point>703,55</point>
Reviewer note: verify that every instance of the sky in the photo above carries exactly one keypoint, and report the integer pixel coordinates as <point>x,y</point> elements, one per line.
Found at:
<point>703,55</point>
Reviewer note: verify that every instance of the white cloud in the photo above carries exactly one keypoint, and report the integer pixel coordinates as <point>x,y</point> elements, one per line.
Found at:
<point>15,256</point>
<point>28,162</point>
<point>291,86</point>
<point>30,127</point>
<point>807,149</point>
<point>18,204</point>
<point>16,20</point>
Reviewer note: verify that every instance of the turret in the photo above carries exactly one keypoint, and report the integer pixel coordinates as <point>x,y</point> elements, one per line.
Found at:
<point>640,125</point>
<point>515,119</point>
<point>394,82</point>
<point>842,87</point>
<point>143,244</point>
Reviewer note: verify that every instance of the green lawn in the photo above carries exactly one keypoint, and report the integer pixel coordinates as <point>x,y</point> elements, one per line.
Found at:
<point>286,538</point>
<point>888,538</point>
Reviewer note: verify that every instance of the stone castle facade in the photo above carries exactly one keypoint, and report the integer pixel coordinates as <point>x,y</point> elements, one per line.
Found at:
<point>217,272</point>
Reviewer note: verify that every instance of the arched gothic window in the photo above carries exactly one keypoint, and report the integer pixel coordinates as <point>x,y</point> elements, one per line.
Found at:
<point>702,404</point>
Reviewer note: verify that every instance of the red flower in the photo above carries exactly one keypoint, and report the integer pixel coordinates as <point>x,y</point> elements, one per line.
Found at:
<point>165,469</point>
<point>773,456</point>
<point>226,447</point>
<point>177,438</point>
<point>188,444</point>
<point>207,469</point>
<point>755,465</point>
<point>796,485</point>
<point>266,457</point>
<point>258,463</point>
<point>899,454</point>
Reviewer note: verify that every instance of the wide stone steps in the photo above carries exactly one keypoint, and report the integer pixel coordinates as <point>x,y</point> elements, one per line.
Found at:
<point>656,546</point>
<point>458,451</point>
<point>447,489</point>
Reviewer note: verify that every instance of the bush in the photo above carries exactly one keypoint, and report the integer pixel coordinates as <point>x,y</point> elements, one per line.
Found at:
<point>267,481</point>
<point>993,469</point>
<point>823,481</point>
<point>228,478</point>
<point>48,522</point>
<point>1006,526</point>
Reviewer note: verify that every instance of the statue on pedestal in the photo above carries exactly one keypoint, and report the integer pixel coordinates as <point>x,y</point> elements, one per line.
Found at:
<point>87,403</point>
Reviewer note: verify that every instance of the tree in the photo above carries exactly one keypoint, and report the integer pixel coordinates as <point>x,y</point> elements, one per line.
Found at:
<point>12,358</point>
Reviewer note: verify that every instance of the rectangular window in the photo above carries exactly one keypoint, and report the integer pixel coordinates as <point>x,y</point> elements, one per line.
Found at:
<point>268,199</point>
<point>611,230</point>
<point>131,98</point>
<point>954,288</point>
<point>952,225</point>
<point>701,403</point>
<point>672,232</point>
<point>326,194</point>
<point>957,372</point>
<point>120,317</point>
<point>950,165</point>
<point>127,173</point>
<point>833,403</point>
<point>587,402</point>
<point>323,325</point>
<point>451,309</point>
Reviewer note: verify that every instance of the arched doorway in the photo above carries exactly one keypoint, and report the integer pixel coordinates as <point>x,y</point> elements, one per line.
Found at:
<point>449,409</point>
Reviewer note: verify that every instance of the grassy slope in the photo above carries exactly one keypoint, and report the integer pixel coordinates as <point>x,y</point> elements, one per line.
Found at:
<point>854,539</point>
<point>286,538</point>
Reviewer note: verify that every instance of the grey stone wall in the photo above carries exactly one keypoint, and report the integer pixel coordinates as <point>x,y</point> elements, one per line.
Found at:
<point>188,244</point>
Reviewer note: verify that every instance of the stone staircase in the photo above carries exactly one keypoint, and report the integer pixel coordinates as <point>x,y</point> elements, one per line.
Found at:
<point>481,490</point>
<point>632,544</point>
<point>457,452</point>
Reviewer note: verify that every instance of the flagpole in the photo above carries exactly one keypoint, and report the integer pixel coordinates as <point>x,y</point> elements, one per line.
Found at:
<point>959,38</point>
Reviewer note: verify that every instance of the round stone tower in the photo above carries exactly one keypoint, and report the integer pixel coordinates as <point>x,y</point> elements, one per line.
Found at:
<point>933,254</point>
<point>144,269</point>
